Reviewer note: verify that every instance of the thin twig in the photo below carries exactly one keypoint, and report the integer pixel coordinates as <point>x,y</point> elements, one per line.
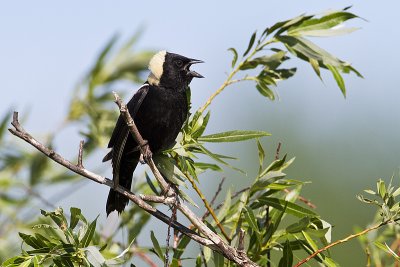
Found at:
<point>218,191</point>
<point>21,133</point>
<point>211,239</point>
<point>214,198</point>
<point>278,149</point>
<point>208,206</point>
<point>241,240</point>
<point>173,216</point>
<point>344,240</point>
<point>157,199</point>
<point>80,154</point>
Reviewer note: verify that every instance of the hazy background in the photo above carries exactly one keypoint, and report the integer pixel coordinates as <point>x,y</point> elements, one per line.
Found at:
<point>341,145</point>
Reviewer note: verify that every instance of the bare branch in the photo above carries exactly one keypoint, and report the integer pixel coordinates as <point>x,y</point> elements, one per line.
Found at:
<point>241,240</point>
<point>157,199</point>
<point>211,239</point>
<point>21,133</point>
<point>80,154</point>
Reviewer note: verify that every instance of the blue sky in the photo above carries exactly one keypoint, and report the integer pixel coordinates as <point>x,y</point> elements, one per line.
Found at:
<point>46,48</point>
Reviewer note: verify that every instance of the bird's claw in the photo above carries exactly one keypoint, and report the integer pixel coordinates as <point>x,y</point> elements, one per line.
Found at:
<point>146,154</point>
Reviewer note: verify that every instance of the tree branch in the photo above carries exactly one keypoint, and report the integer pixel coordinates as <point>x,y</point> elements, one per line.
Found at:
<point>21,133</point>
<point>211,239</point>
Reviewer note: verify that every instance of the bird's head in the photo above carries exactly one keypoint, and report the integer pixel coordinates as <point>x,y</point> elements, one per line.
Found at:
<point>172,70</point>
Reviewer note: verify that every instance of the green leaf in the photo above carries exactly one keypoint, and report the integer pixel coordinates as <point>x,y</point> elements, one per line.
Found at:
<point>75,212</point>
<point>338,78</point>
<point>207,253</point>
<point>264,90</point>
<point>387,249</point>
<point>168,168</point>
<point>252,39</point>
<point>270,62</point>
<point>208,166</point>
<point>284,25</point>
<point>235,56</point>
<point>299,226</point>
<point>233,136</point>
<point>94,256</point>
<point>225,207</point>
<point>381,188</point>
<point>251,220</point>
<point>87,238</point>
<point>266,180</point>
<point>156,246</point>
<point>291,208</point>
<point>261,156</point>
<point>179,251</point>
<point>151,185</point>
<point>218,259</point>
<point>322,26</point>
<point>314,64</point>
<point>287,257</point>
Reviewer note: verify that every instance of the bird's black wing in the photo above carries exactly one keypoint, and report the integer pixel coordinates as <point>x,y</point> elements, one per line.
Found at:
<point>120,132</point>
<point>123,160</point>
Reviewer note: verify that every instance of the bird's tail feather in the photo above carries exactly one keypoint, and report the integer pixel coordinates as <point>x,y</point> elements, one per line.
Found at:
<point>115,200</point>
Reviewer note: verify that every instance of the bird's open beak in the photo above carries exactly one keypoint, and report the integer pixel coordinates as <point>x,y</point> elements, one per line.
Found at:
<point>192,72</point>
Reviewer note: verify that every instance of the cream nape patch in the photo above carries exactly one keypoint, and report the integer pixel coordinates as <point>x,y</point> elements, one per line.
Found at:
<point>156,67</point>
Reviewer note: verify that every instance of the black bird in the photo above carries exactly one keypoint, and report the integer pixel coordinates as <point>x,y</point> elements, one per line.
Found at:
<point>159,109</point>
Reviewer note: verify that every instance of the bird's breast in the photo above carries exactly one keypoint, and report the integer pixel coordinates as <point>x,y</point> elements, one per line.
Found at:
<point>161,116</point>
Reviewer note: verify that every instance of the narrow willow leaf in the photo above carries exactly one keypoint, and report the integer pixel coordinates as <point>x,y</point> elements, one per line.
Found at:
<point>200,130</point>
<point>291,208</point>
<point>327,33</point>
<point>225,207</point>
<point>187,198</point>
<point>117,259</point>
<point>235,56</point>
<point>75,212</point>
<point>26,263</point>
<point>310,241</point>
<point>299,226</point>
<point>338,78</point>
<point>181,247</point>
<point>208,166</point>
<point>233,136</point>
<point>87,238</point>
<point>94,256</point>
<point>267,179</point>
<point>264,90</point>
<point>381,188</point>
<point>395,193</point>
<point>387,249</point>
<point>315,65</point>
<point>287,257</point>
<point>372,192</point>
<point>268,61</point>
<point>219,158</point>
<point>207,253</point>
<point>251,43</point>
<point>218,259</point>
<point>151,185</point>
<point>156,246</point>
<point>251,219</point>
<point>261,156</point>
<point>324,23</point>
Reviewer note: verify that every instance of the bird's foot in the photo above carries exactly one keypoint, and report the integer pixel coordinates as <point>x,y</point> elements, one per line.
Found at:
<point>146,154</point>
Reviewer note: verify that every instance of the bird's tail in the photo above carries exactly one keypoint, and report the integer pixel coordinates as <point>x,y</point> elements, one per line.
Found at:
<point>115,200</point>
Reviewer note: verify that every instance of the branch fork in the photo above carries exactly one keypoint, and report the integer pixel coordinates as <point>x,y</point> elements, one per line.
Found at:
<point>205,237</point>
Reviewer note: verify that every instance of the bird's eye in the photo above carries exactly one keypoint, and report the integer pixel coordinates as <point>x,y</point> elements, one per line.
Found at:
<point>179,63</point>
